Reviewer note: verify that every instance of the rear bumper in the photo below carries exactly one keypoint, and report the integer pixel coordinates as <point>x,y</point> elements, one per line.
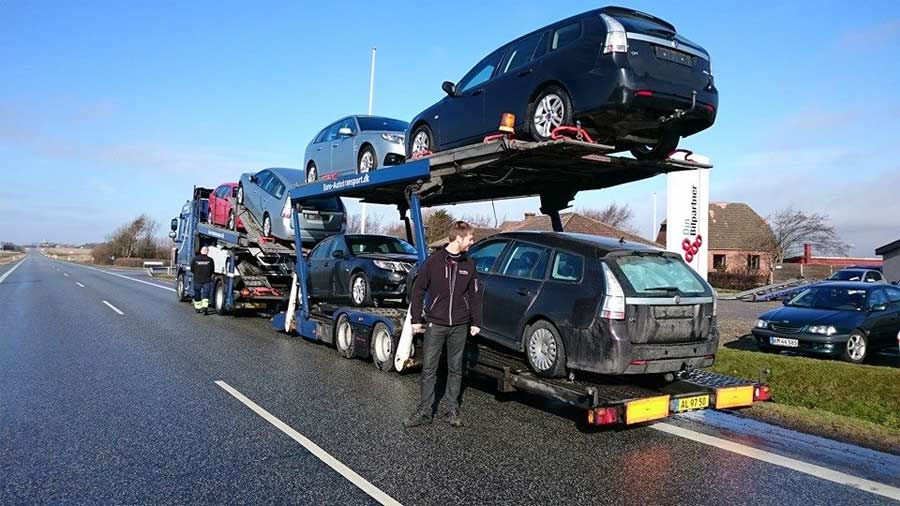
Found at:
<point>606,349</point>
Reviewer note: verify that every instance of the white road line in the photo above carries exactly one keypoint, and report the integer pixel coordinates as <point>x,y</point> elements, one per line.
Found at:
<point>127,277</point>
<point>10,271</point>
<point>66,274</point>
<point>313,448</point>
<point>79,284</point>
<point>114,308</point>
<point>778,460</point>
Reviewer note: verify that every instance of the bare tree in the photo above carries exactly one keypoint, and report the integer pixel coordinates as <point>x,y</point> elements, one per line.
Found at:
<point>374,224</point>
<point>792,228</point>
<point>614,215</point>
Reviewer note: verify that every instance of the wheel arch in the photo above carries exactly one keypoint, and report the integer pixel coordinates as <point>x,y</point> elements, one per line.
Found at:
<point>530,322</point>
<point>543,86</point>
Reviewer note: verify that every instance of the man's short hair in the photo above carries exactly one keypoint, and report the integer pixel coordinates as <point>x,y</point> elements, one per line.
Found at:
<point>459,228</point>
<point>204,250</point>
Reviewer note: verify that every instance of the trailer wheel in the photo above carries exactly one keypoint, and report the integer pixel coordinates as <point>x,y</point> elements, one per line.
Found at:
<point>343,337</point>
<point>179,288</point>
<point>219,298</point>
<point>383,345</point>
<point>544,350</point>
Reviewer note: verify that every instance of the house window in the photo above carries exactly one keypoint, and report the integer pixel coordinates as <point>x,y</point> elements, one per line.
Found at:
<point>719,262</point>
<point>753,262</point>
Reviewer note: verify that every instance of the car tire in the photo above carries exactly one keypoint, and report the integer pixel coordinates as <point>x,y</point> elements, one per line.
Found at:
<point>422,140</point>
<point>343,337</point>
<point>544,350</point>
<point>667,143</point>
<point>551,108</point>
<point>312,172</point>
<point>179,288</point>
<point>240,194</point>
<point>267,226</point>
<point>220,298</point>
<point>232,221</point>
<point>367,154</point>
<point>383,346</point>
<point>360,290</point>
<point>856,351</point>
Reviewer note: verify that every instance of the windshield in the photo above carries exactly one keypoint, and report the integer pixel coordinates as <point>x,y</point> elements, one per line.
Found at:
<point>847,276</point>
<point>375,123</point>
<point>830,297</point>
<point>326,204</point>
<point>660,275</point>
<point>361,244</point>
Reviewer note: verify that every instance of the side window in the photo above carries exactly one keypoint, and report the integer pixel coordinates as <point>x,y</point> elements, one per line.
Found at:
<point>877,298</point>
<point>271,184</point>
<point>522,261</point>
<point>262,178</point>
<point>338,244</point>
<point>481,72</point>
<point>221,191</point>
<point>349,123</point>
<point>234,191</point>
<point>567,267</point>
<point>332,134</point>
<point>565,35</point>
<point>321,136</point>
<point>540,271</point>
<point>873,276</point>
<point>279,190</point>
<point>322,249</point>
<point>520,53</point>
<point>485,255</point>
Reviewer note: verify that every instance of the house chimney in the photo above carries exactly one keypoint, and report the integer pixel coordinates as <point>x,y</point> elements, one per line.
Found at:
<point>807,253</point>
<point>529,215</point>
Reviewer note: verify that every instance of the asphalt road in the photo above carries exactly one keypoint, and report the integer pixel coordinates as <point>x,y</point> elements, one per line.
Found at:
<point>108,395</point>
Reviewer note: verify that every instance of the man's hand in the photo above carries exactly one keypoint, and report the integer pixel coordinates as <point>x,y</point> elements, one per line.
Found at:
<point>418,328</point>
<point>474,330</point>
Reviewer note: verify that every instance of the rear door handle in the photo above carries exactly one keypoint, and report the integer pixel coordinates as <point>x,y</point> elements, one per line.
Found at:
<point>523,291</point>
<point>525,72</point>
<point>478,92</point>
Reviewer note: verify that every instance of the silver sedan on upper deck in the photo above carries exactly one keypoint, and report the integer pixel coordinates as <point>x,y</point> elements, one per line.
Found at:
<point>355,144</point>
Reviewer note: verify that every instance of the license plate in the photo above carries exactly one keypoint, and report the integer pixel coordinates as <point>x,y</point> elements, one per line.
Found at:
<point>312,217</point>
<point>783,341</point>
<point>691,403</point>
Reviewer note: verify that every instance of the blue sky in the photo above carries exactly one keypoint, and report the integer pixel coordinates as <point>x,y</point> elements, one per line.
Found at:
<point>110,109</point>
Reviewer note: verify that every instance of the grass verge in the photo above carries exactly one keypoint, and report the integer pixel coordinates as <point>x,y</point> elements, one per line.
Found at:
<point>855,403</point>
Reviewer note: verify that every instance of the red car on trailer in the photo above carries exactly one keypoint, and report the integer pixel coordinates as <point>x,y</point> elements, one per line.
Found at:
<point>221,212</point>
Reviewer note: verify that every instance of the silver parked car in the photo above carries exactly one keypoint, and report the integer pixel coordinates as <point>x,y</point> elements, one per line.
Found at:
<point>266,195</point>
<point>356,144</point>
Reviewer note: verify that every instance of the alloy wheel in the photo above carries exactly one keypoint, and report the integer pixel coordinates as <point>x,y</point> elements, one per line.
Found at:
<point>549,114</point>
<point>366,162</point>
<point>421,142</point>
<point>311,174</point>
<point>359,290</point>
<point>856,347</point>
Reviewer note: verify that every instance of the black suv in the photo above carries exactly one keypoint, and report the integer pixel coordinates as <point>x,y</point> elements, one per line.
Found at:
<point>594,304</point>
<point>629,77</point>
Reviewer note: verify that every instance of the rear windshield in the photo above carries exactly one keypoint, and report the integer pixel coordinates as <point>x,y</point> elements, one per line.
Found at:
<point>361,244</point>
<point>660,275</point>
<point>327,204</point>
<point>635,22</point>
<point>847,276</point>
<point>391,125</point>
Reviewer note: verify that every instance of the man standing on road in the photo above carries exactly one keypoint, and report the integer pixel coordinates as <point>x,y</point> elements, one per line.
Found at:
<point>453,312</point>
<point>202,268</point>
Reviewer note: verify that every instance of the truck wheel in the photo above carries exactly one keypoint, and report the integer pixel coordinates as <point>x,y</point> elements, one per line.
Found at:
<point>360,292</point>
<point>179,288</point>
<point>544,350</point>
<point>343,337</point>
<point>383,345</point>
<point>219,298</point>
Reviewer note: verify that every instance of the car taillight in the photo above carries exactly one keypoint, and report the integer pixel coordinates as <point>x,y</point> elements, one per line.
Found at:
<point>616,39</point>
<point>614,300</point>
<point>286,212</point>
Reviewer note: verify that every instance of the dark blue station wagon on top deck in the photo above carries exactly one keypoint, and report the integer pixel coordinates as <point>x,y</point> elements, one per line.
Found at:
<point>849,320</point>
<point>627,76</point>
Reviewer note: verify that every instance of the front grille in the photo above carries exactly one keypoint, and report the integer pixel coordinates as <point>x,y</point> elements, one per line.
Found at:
<point>785,328</point>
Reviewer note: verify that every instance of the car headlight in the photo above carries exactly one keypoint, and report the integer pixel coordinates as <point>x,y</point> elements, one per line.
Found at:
<point>395,138</point>
<point>826,330</point>
<point>761,324</point>
<point>390,266</point>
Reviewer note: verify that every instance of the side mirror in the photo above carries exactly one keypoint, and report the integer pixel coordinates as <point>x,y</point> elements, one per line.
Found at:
<point>173,226</point>
<point>338,254</point>
<point>785,301</point>
<point>254,179</point>
<point>344,131</point>
<point>172,235</point>
<point>449,88</point>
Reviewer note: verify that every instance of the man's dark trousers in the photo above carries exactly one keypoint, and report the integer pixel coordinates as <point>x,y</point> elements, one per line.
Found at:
<point>435,338</point>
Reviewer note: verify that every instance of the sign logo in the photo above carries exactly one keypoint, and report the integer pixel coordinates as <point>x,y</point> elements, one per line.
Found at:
<point>691,248</point>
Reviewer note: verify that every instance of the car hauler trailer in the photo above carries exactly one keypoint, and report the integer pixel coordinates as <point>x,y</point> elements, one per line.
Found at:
<point>554,170</point>
<point>251,271</point>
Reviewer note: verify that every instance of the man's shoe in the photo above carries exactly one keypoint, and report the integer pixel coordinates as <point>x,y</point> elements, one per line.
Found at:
<point>417,420</point>
<point>453,419</point>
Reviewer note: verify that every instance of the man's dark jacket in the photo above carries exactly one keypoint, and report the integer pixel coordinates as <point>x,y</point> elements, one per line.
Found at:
<point>454,293</point>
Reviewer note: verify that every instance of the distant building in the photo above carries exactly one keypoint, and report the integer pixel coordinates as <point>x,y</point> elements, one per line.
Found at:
<point>890,255</point>
<point>478,233</point>
<point>739,239</point>
<point>835,262</point>
<point>572,222</point>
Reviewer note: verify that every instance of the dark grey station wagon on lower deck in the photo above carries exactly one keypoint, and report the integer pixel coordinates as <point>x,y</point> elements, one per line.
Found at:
<point>589,303</point>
